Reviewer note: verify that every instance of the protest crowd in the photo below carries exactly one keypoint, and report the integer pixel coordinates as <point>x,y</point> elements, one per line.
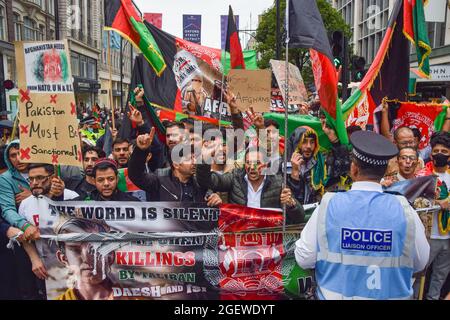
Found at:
<point>363,224</point>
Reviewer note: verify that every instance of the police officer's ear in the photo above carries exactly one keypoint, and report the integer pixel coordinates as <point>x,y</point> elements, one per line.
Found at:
<point>354,171</point>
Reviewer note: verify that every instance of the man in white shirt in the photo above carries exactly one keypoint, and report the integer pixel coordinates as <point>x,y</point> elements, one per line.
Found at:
<point>43,183</point>
<point>251,186</point>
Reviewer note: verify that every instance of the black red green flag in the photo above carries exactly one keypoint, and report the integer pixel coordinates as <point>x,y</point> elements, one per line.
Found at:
<point>232,44</point>
<point>190,68</point>
<point>388,75</point>
<point>415,29</point>
<point>307,30</point>
<point>123,17</point>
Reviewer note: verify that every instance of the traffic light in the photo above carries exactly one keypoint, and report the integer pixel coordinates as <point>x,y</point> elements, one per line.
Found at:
<point>358,68</point>
<point>337,42</point>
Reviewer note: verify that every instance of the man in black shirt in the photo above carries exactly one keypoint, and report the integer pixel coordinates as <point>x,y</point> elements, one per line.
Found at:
<point>106,179</point>
<point>86,185</point>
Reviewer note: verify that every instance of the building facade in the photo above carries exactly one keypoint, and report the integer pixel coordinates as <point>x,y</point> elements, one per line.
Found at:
<point>32,20</point>
<point>79,21</point>
<point>368,20</point>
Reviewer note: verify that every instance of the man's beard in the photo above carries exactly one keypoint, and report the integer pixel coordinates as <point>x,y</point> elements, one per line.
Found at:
<point>36,193</point>
<point>89,172</point>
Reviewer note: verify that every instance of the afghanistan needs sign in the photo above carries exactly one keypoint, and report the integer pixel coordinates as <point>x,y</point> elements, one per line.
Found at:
<point>48,123</point>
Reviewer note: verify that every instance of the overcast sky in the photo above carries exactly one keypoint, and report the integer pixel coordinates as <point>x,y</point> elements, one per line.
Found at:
<point>173,10</point>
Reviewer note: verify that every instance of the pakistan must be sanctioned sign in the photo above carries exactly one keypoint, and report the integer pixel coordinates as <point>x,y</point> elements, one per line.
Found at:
<point>48,123</point>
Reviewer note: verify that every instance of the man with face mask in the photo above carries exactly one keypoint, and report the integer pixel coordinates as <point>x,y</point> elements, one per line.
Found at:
<point>440,234</point>
<point>194,96</point>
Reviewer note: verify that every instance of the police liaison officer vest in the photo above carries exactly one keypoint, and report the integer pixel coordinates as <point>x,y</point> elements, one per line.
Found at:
<point>366,246</point>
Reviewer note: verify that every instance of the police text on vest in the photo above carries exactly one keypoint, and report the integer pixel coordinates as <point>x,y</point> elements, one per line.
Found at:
<point>366,240</point>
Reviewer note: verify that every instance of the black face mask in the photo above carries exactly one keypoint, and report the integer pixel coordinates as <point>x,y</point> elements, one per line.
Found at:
<point>440,160</point>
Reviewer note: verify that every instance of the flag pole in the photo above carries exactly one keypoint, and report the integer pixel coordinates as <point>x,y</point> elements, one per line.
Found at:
<point>14,128</point>
<point>286,113</point>
<point>110,82</point>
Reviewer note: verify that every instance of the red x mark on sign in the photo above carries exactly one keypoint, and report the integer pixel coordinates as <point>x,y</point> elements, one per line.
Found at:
<point>73,110</point>
<point>53,98</point>
<point>23,129</point>
<point>55,159</point>
<point>25,95</point>
<point>25,154</point>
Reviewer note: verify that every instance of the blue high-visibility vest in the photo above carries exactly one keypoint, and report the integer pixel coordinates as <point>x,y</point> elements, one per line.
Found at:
<point>366,246</point>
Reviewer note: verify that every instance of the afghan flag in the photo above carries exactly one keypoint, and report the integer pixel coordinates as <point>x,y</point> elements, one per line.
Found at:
<point>295,121</point>
<point>415,29</point>
<point>125,184</point>
<point>232,44</point>
<point>427,117</point>
<point>306,30</point>
<point>122,17</point>
<point>388,76</point>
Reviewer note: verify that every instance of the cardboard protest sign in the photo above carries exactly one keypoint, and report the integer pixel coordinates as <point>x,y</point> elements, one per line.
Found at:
<point>252,88</point>
<point>48,123</point>
<point>297,89</point>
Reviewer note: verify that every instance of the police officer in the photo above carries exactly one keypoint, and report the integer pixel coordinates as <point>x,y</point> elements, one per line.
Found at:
<point>364,244</point>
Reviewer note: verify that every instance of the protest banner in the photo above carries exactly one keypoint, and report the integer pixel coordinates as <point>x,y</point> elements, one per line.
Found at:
<point>277,103</point>
<point>251,88</point>
<point>428,118</point>
<point>192,28</point>
<point>48,122</point>
<point>297,89</point>
<point>154,18</point>
<point>168,251</point>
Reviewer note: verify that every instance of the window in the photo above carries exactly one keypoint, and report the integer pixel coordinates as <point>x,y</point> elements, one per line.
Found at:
<point>436,34</point>
<point>38,2</point>
<point>92,69</point>
<point>374,15</point>
<point>75,62</point>
<point>29,29</point>
<point>41,35</point>
<point>345,7</point>
<point>83,66</point>
<point>89,26</point>
<point>17,27</point>
<point>51,7</point>
<point>11,69</point>
<point>2,24</point>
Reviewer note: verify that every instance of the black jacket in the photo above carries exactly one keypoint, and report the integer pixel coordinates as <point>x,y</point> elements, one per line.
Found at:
<point>237,187</point>
<point>162,188</point>
<point>117,196</point>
